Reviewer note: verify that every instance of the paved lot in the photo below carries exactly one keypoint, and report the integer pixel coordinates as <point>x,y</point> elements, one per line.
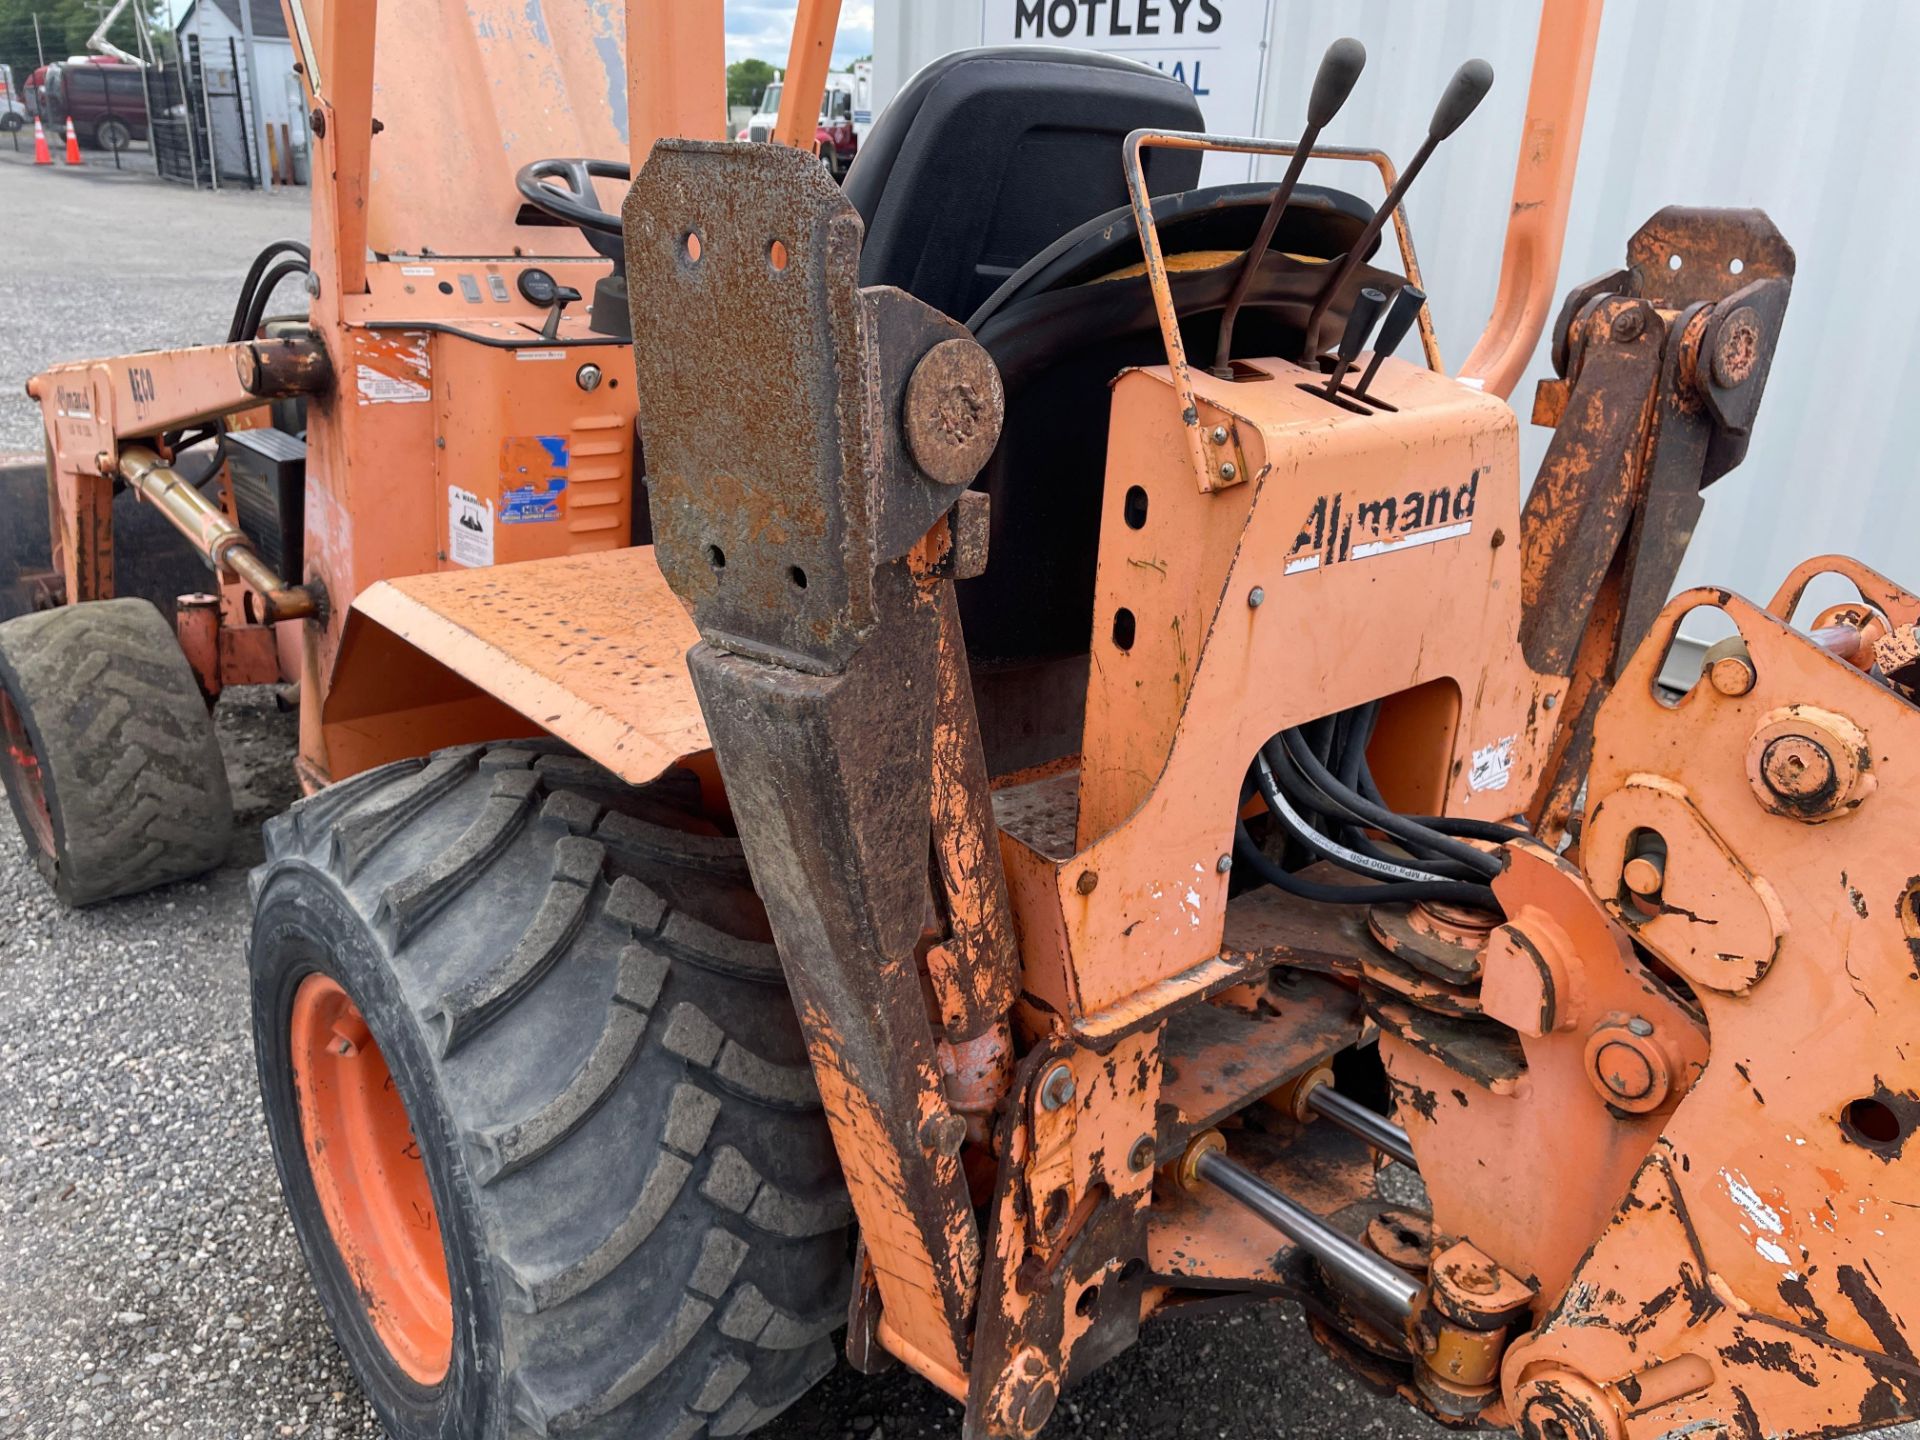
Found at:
<point>99,262</point>
<point>149,1280</point>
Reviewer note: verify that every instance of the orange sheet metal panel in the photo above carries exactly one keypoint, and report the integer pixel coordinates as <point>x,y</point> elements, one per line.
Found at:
<point>1394,523</point>
<point>591,648</point>
<point>465,96</point>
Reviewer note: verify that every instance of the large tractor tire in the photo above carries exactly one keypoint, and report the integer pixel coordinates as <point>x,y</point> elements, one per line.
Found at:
<point>108,752</point>
<point>540,1104</point>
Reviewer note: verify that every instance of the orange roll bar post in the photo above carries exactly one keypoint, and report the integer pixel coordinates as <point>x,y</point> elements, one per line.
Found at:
<point>806,80</point>
<point>676,72</point>
<point>1542,190</point>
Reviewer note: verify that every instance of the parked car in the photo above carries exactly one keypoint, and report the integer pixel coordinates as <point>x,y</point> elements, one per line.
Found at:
<point>13,104</point>
<point>107,101</point>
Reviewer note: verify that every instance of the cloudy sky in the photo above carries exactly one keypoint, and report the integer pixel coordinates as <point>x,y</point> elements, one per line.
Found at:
<point>762,29</point>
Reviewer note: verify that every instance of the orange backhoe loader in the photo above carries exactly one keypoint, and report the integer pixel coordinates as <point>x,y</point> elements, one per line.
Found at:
<point>1074,758</point>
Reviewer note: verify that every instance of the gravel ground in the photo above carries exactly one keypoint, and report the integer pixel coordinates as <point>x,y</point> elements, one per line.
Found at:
<point>149,1279</point>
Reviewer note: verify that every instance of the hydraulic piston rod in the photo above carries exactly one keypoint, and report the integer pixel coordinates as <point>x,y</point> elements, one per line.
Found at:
<point>224,544</point>
<point>1385,1287</point>
<point>1371,1126</point>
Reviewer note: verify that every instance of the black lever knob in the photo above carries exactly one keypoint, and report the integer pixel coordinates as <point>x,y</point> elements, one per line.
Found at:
<point>1405,309</point>
<point>1333,82</point>
<point>1461,98</point>
<point>1367,306</point>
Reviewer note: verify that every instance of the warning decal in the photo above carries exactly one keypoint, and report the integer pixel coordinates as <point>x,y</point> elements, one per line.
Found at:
<point>469,528</point>
<point>1492,765</point>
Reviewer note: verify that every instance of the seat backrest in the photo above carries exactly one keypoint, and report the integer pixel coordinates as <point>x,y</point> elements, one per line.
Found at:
<point>988,156</point>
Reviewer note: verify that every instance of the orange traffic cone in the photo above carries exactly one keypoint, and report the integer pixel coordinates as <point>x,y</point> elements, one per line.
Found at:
<point>73,144</point>
<point>41,154</point>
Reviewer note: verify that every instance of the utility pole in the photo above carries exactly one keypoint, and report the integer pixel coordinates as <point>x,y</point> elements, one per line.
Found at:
<point>255,142</point>
<point>39,49</point>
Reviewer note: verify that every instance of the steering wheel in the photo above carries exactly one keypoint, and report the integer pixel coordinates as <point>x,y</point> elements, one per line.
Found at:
<point>577,204</point>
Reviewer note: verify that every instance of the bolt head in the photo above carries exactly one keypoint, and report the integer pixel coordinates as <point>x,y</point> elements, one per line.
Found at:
<point>1088,881</point>
<point>1228,470</point>
<point>1628,324</point>
<point>1141,1156</point>
<point>944,1134</point>
<point>1738,349</point>
<point>1219,434</point>
<point>1640,1025</point>
<point>1798,768</point>
<point>1056,1090</point>
<point>1256,597</point>
<point>1223,864</point>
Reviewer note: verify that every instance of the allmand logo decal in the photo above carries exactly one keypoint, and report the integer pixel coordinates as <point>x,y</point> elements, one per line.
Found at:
<point>1341,527</point>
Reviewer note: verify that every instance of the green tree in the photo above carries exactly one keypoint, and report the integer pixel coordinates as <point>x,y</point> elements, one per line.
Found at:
<point>856,61</point>
<point>746,79</point>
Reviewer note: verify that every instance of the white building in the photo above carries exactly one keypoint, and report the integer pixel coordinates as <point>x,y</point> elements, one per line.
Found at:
<point>213,27</point>
<point>1721,102</point>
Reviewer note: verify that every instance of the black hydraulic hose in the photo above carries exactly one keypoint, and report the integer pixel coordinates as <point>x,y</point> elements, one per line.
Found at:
<point>1353,744</point>
<point>1381,818</point>
<point>1361,861</point>
<point>236,330</point>
<point>1463,826</point>
<point>1273,766</point>
<point>1451,892</point>
<point>257,309</point>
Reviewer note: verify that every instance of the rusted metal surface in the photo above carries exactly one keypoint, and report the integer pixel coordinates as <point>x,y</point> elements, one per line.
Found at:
<point>770,514</point>
<point>1663,366</point>
<point>952,411</point>
<point>1216,1061</point>
<point>789,516</point>
<point>975,990</point>
<point>1067,1239</point>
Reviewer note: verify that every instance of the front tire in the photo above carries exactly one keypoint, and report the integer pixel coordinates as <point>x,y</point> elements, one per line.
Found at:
<point>112,134</point>
<point>108,751</point>
<point>642,1227</point>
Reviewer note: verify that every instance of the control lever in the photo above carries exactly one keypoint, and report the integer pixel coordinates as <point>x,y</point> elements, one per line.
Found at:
<point>1405,309</point>
<point>1332,83</point>
<point>1367,306</point>
<point>1461,98</point>
<point>563,296</point>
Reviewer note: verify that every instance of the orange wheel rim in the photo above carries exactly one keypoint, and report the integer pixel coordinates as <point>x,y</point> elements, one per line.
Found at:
<point>21,766</point>
<point>370,1180</point>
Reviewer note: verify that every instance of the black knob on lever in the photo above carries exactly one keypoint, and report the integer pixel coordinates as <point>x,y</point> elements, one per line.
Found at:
<point>1461,98</point>
<point>1405,309</point>
<point>1332,83</point>
<point>1367,306</point>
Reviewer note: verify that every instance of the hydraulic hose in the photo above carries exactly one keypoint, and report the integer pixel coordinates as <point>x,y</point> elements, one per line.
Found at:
<point>1380,817</point>
<point>1451,892</point>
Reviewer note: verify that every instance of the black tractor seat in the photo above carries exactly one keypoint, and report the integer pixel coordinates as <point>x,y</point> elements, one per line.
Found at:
<point>986,157</point>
